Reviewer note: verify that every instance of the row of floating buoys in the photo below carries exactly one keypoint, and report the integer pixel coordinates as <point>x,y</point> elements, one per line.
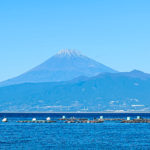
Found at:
<point>48,119</point>
<point>63,117</point>
<point>34,119</point>
<point>129,118</point>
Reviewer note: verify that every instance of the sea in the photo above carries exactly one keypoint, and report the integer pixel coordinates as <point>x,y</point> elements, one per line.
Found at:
<point>110,135</point>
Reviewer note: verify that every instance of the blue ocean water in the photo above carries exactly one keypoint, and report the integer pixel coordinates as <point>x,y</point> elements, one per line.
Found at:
<point>63,136</point>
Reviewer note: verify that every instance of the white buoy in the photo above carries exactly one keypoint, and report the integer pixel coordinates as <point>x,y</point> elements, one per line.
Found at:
<point>48,118</point>
<point>128,118</point>
<point>138,117</point>
<point>34,119</point>
<point>63,117</point>
<point>101,117</point>
<point>4,120</point>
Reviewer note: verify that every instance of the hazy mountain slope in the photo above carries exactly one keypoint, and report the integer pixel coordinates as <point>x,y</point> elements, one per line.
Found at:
<point>63,66</point>
<point>108,91</point>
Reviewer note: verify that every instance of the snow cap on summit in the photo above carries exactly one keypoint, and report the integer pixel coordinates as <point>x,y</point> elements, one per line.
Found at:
<point>68,52</point>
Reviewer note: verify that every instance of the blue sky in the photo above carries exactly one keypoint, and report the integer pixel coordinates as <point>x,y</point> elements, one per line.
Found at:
<point>114,32</point>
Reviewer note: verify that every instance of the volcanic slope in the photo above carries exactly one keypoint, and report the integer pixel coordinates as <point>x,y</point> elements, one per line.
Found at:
<point>65,65</point>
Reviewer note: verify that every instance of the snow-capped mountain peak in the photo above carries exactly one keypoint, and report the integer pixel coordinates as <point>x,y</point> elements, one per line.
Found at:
<point>68,52</point>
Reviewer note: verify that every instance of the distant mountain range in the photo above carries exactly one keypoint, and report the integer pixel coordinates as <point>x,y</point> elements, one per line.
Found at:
<point>65,65</point>
<point>69,81</point>
<point>126,91</point>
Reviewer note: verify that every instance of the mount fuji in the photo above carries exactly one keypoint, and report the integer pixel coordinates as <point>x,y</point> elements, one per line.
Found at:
<point>71,82</point>
<point>65,65</point>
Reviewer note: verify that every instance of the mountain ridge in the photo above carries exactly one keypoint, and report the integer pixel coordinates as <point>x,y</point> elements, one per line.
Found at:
<point>100,93</point>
